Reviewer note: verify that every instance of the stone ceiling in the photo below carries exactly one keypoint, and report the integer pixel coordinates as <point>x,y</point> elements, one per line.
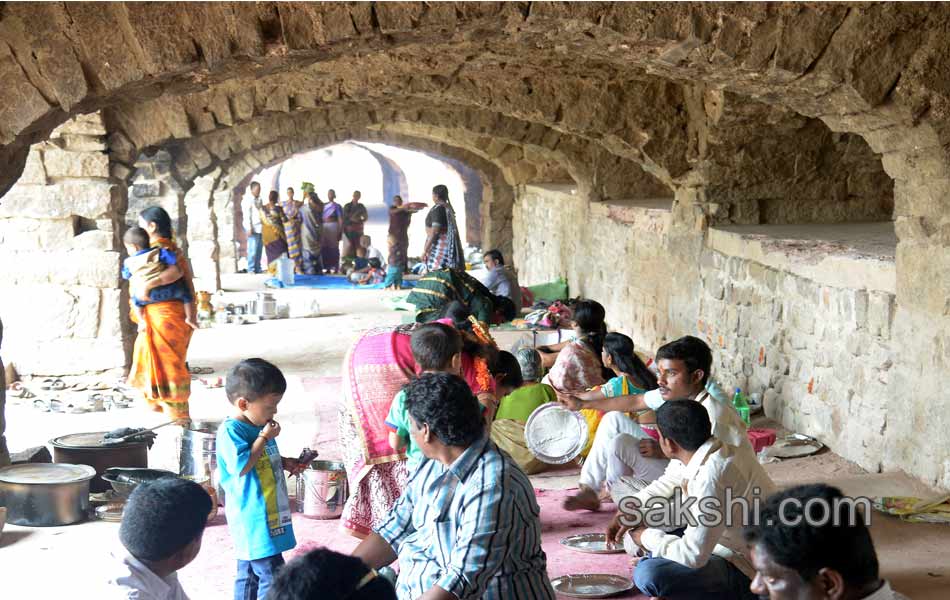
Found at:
<point>592,90</point>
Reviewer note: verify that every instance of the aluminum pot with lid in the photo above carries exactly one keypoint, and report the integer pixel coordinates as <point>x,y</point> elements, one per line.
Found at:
<point>45,495</point>
<point>91,449</point>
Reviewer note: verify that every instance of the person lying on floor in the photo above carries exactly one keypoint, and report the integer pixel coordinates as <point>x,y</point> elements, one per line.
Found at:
<point>520,396</point>
<point>814,561</point>
<point>162,525</point>
<point>707,558</point>
<point>468,525</point>
<point>623,457</point>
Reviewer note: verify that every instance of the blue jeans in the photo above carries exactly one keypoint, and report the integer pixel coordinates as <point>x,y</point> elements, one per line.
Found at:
<point>255,247</point>
<point>254,577</point>
<point>718,579</point>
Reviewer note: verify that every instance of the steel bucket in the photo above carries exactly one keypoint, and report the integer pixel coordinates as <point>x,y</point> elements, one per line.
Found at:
<point>322,490</point>
<point>197,457</point>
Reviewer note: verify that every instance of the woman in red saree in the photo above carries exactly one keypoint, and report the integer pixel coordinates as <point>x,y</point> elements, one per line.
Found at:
<point>158,369</point>
<point>375,368</point>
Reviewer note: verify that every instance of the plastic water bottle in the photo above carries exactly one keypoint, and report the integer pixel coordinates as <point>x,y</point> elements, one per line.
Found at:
<point>742,406</point>
<point>285,270</point>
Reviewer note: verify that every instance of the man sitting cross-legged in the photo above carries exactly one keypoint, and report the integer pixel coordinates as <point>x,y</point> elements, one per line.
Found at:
<point>623,456</point>
<point>468,525</point>
<point>802,560</point>
<point>718,485</point>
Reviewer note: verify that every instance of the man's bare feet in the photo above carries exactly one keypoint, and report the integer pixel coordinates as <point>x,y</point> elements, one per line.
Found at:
<point>585,499</point>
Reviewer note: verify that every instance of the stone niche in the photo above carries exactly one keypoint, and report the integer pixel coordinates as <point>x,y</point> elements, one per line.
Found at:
<point>62,303</point>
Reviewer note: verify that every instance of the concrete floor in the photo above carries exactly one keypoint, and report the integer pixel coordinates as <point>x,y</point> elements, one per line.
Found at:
<point>51,562</point>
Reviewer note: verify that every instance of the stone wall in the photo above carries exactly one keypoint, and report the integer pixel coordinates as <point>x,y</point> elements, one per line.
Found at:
<point>62,301</point>
<point>817,345</point>
<point>611,252</point>
<point>154,185</point>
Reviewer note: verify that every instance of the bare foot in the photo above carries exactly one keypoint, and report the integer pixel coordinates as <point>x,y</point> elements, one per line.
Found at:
<point>585,499</point>
<point>192,323</point>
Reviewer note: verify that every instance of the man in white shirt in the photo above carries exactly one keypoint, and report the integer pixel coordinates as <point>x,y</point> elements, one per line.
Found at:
<point>250,209</point>
<point>718,486</point>
<point>501,280</point>
<point>162,526</point>
<point>798,558</point>
<point>623,457</point>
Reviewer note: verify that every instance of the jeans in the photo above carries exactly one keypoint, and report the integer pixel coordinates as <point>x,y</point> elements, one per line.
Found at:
<point>255,247</point>
<point>718,579</point>
<point>254,577</point>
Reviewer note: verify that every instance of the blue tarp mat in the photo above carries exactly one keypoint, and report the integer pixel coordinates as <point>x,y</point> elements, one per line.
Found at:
<point>328,282</point>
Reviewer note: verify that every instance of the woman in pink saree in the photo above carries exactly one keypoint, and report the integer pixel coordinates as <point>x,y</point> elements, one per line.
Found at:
<point>375,368</point>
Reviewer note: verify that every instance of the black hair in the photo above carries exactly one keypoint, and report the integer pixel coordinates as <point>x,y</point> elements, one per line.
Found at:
<point>589,317</point>
<point>459,313</point>
<point>253,378</point>
<point>621,350</point>
<point>496,256</point>
<point>434,344</point>
<point>314,197</point>
<point>254,183</point>
<point>323,573</point>
<point>290,189</point>
<point>162,517</point>
<point>374,263</point>
<point>842,543</point>
<point>686,422</point>
<point>136,236</point>
<point>505,306</point>
<point>507,365</point>
<point>159,216</point>
<point>692,351</point>
<point>447,405</point>
<point>273,195</point>
<point>441,192</point>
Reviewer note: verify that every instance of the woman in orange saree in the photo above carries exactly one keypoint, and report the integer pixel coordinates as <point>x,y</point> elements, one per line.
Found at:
<point>159,369</point>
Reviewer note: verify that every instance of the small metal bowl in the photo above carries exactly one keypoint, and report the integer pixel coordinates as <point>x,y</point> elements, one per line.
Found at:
<point>123,481</point>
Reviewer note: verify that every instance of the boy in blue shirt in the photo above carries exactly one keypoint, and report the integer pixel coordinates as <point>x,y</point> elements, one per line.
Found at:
<point>436,348</point>
<point>251,472</point>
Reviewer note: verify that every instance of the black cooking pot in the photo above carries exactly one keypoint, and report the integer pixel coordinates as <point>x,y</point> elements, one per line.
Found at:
<point>91,449</point>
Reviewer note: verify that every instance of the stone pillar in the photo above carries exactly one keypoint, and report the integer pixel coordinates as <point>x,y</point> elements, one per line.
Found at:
<point>223,207</point>
<point>154,185</point>
<point>203,250</point>
<point>65,309</point>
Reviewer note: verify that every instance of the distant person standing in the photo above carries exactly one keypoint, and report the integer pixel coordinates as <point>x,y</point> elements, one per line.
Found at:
<point>332,231</point>
<point>399,219</point>
<point>291,210</point>
<point>354,218</point>
<point>501,280</point>
<point>251,211</point>
<point>443,249</point>
<point>311,232</point>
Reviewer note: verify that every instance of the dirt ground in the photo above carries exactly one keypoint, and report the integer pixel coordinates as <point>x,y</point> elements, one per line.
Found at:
<point>58,561</point>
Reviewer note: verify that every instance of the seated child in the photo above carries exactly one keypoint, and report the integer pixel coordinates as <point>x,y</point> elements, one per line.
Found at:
<point>371,275</point>
<point>436,348</point>
<point>141,268</point>
<point>397,258</point>
<point>323,573</point>
<point>367,243</point>
<point>521,374</point>
<point>161,530</point>
<point>250,469</point>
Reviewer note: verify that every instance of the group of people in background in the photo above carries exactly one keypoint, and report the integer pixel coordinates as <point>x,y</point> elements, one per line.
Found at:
<point>307,230</point>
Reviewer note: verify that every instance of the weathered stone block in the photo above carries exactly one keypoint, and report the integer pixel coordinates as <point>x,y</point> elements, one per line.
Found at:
<point>147,189</point>
<point>83,143</point>
<point>94,240</point>
<point>112,311</point>
<point>89,199</point>
<point>880,314</point>
<point>36,234</point>
<point>34,173</point>
<point>87,268</point>
<point>62,163</point>
<point>88,124</point>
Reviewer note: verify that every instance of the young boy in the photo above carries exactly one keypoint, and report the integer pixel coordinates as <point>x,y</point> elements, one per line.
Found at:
<point>144,264</point>
<point>251,472</point>
<point>436,348</point>
<point>371,275</point>
<point>162,525</point>
<point>367,243</point>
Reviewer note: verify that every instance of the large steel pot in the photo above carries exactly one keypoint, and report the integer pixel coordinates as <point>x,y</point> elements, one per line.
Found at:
<point>45,495</point>
<point>91,449</point>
